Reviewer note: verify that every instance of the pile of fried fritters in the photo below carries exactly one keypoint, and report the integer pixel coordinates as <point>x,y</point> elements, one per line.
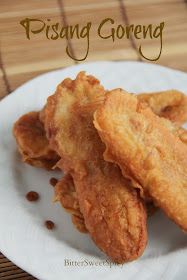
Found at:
<point>122,156</point>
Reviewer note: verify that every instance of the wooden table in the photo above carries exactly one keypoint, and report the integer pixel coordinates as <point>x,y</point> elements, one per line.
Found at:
<point>22,59</point>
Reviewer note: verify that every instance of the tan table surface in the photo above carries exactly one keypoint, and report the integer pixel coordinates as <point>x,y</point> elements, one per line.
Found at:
<point>22,59</point>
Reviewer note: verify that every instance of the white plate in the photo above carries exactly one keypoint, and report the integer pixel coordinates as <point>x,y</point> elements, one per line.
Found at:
<point>25,240</point>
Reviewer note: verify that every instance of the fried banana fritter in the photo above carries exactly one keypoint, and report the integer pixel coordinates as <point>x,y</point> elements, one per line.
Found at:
<point>153,157</point>
<point>182,134</point>
<point>66,194</point>
<point>113,212</point>
<point>170,104</point>
<point>32,142</point>
<point>42,115</point>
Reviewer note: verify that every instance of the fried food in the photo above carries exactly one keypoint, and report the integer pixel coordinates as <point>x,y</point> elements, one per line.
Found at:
<point>79,223</point>
<point>66,194</point>
<point>170,104</point>
<point>152,156</point>
<point>182,134</point>
<point>28,127</point>
<point>42,115</point>
<point>113,212</point>
<point>32,142</point>
<point>158,101</point>
<point>114,215</point>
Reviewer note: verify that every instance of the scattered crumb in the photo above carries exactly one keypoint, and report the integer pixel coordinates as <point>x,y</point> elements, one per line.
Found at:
<point>32,196</point>
<point>53,181</point>
<point>49,225</point>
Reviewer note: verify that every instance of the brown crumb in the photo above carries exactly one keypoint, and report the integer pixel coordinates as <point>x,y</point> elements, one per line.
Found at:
<point>49,225</point>
<point>32,196</point>
<point>53,181</point>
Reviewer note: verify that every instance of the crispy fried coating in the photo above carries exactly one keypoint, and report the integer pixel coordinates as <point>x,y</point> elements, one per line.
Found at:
<point>114,215</point>
<point>79,223</point>
<point>66,194</point>
<point>182,134</point>
<point>148,153</point>
<point>170,104</point>
<point>32,142</point>
<point>176,114</point>
<point>113,212</point>
<point>42,115</point>
<point>89,95</point>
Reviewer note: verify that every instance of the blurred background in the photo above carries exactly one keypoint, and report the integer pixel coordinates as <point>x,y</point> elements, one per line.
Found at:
<point>22,59</point>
